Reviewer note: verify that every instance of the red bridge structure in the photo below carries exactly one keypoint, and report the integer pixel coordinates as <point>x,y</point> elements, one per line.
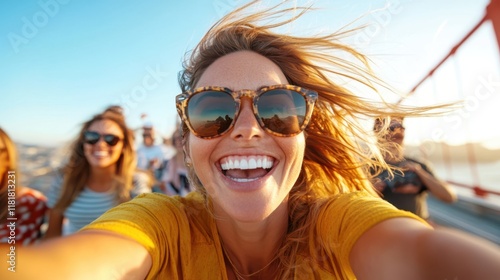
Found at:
<point>478,208</point>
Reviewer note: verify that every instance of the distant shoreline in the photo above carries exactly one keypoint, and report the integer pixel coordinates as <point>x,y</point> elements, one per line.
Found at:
<point>441,152</point>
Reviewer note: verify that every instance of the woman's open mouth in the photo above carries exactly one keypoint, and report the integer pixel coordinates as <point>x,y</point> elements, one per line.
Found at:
<point>246,168</point>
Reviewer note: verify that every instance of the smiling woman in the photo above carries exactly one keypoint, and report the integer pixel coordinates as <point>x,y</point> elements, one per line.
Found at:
<point>283,199</point>
<point>98,176</point>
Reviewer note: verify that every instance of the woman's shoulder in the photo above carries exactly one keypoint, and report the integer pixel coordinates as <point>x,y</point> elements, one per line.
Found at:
<point>344,217</point>
<point>31,195</point>
<point>27,191</point>
<point>345,207</point>
<point>357,211</point>
<point>352,197</point>
<point>30,203</point>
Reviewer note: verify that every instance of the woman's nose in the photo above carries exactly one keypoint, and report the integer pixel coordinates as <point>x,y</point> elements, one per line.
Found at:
<point>246,125</point>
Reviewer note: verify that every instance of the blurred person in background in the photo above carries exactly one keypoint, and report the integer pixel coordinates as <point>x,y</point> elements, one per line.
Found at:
<point>407,188</point>
<point>99,175</point>
<point>175,180</point>
<point>29,205</point>
<point>152,157</point>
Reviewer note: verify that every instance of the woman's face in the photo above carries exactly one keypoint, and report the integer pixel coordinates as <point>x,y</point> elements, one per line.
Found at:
<point>248,195</point>
<point>100,154</point>
<point>396,131</point>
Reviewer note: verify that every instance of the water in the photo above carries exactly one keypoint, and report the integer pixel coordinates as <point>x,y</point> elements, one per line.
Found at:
<point>488,177</point>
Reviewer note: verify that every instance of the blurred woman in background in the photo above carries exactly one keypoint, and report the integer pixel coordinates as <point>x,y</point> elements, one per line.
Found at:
<point>100,174</point>
<point>23,209</point>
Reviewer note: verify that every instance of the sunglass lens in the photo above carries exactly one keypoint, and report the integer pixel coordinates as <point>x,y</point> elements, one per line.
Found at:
<point>91,137</point>
<point>111,139</point>
<point>282,111</point>
<point>211,113</point>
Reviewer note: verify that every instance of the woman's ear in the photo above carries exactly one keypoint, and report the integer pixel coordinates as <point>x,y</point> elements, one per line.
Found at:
<point>187,161</point>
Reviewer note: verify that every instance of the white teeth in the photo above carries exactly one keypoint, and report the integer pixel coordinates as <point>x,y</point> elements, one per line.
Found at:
<point>100,153</point>
<point>252,164</point>
<point>267,162</point>
<point>246,162</point>
<point>243,180</point>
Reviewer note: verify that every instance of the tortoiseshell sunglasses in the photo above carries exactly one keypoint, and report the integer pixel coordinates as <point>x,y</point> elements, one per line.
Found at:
<point>281,110</point>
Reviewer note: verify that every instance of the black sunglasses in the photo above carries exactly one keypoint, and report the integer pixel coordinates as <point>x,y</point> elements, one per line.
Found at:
<point>281,110</point>
<point>92,137</point>
<point>396,125</point>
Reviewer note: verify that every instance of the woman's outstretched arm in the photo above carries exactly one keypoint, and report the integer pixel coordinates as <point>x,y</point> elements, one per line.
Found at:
<point>91,254</point>
<point>403,248</point>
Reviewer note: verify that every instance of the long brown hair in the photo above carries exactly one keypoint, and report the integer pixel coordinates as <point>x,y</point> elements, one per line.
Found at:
<point>4,182</point>
<point>77,171</point>
<point>335,161</point>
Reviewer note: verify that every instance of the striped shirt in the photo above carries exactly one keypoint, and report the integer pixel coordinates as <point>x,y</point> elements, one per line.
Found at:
<point>89,204</point>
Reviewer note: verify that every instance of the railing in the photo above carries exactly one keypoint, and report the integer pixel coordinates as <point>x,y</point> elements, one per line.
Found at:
<point>478,190</point>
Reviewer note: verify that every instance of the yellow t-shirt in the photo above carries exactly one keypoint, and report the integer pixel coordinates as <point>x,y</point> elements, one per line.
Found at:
<point>181,235</point>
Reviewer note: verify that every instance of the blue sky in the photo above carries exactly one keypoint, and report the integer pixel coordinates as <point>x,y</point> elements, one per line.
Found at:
<point>61,61</point>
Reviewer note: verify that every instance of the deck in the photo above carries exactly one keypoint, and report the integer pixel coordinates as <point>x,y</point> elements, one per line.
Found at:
<point>468,214</point>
